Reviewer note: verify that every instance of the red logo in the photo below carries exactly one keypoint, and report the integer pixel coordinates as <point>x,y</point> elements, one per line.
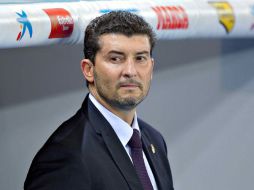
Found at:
<point>171,17</point>
<point>62,23</point>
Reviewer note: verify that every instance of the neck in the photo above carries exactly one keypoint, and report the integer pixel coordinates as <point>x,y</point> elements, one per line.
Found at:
<point>127,116</point>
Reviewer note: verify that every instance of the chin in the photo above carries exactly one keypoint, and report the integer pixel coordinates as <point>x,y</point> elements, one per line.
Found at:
<point>132,101</point>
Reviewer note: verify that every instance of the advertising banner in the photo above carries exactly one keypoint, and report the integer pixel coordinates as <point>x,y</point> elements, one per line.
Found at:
<point>45,23</point>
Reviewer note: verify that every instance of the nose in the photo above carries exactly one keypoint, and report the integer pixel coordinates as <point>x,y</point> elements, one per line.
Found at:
<point>129,69</point>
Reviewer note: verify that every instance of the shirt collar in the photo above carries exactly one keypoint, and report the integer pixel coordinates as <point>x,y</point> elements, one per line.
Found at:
<point>122,129</point>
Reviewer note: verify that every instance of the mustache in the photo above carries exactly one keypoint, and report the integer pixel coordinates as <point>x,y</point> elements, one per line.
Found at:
<point>129,81</point>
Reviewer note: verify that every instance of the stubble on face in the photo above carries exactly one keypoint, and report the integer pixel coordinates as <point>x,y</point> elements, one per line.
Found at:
<point>115,99</point>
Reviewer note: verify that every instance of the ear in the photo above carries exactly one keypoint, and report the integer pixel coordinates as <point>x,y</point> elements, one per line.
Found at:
<point>87,69</point>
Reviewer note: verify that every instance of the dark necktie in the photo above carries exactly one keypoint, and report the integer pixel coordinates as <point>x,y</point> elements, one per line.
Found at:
<point>138,161</point>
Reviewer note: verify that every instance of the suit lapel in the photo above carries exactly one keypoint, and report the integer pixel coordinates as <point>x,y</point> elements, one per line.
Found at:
<point>113,144</point>
<point>152,157</point>
<point>122,160</point>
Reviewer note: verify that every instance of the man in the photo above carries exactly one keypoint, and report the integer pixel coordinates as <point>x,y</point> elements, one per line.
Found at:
<point>104,146</point>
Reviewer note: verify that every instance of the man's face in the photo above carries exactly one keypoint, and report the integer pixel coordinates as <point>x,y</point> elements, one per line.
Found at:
<point>122,70</point>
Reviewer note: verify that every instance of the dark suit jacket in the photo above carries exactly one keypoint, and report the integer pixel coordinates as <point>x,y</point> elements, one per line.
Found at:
<point>84,153</point>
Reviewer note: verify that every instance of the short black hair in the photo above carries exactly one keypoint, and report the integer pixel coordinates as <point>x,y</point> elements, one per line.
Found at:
<point>119,22</point>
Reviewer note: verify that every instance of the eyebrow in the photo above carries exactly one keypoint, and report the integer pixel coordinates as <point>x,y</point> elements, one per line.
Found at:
<point>144,52</point>
<point>121,53</point>
<point>115,52</point>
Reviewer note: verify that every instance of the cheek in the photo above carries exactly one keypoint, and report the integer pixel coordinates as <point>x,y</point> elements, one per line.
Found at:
<point>147,83</point>
<point>106,82</point>
<point>146,77</point>
<point>109,78</point>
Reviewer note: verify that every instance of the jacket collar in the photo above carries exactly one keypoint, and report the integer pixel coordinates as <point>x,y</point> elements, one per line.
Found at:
<point>152,157</point>
<point>117,151</point>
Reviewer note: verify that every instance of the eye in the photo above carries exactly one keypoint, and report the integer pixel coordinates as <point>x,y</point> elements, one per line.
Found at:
<point>115,59</point>
<point>141,58</point>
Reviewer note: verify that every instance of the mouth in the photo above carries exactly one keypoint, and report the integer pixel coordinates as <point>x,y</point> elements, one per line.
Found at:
<point>129,85</point>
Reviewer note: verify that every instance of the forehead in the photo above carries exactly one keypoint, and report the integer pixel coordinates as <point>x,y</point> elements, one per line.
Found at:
<point>123,43</point>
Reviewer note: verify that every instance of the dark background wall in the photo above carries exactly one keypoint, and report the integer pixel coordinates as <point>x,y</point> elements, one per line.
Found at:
<point>201,99</point>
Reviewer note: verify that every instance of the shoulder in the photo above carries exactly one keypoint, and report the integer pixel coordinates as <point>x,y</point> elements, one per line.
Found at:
<point>60,157</point>
<point>69,128</point>
<point>67,136</point>
<point>147,128</point>
<point>152,134</point>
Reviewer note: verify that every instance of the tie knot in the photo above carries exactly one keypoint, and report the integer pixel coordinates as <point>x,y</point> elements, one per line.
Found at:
<point>135,141</point>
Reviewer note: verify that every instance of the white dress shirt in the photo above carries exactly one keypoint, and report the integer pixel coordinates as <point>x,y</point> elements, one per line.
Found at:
<point>124,132</point>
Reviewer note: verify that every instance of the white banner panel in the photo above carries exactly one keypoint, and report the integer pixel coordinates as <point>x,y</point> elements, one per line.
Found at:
<point>64,22</point>
<point>32,1</point>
